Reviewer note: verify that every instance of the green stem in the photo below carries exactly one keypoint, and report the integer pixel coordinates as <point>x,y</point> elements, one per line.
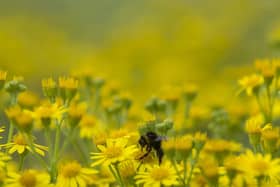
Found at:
<point>261,107</point>
<point>269,115</point>
<point>275,91</point>
<point>48,140</point>
<point>54,157</point>
<point>193,162</point>
<point>177,172</point>
<point>57,140</point>
<point>67,141</point>
<point>11,127</point>
<point>10,133</point>
<point>119,175</point>
<point>81,152</point>
<point>114,173</point>
<point>185,168</point>
<point>187,109</point>
<point>21,160</point>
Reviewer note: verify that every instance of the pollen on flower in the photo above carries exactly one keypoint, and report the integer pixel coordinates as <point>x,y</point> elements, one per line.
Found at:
<point>113,151</point>
<point>28,179</point>
<point>260,166</point>
<point>71,169</point>
<point>159,174</point>
<point>19,139</point>
<point>127,168</point>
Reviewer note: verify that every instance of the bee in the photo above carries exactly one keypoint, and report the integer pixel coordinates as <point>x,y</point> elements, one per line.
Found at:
<point>151,141</point>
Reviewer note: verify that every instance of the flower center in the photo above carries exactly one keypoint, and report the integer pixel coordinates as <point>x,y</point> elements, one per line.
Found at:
<point>260,166</point>
<point>71,169</point>
<point>112,152</point>
<point>159,174</point>
<point>28,179</point>
<point>19,140</point>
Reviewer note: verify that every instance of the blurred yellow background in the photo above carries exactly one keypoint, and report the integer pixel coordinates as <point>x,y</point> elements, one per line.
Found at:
<point>142,44</point>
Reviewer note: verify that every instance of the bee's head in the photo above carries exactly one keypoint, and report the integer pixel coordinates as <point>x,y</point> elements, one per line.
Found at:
<point>151,135</point>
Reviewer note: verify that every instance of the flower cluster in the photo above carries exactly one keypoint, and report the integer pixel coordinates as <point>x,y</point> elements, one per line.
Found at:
<point>87,132</point>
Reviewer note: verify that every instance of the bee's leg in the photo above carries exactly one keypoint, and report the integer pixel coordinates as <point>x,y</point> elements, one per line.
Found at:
<point>149,149</point>
<point>159,155</point>
<point>142,141</point>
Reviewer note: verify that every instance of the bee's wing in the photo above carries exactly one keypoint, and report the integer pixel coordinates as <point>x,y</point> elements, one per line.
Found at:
<point>159,138</point>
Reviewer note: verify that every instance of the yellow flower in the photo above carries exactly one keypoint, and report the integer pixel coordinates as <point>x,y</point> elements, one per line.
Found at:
<point>210,169</point>
<point>49,88</point>
<point>104,177</point>
<point>116,150</point>
<point>20,145</point>
<point>183,145</point>
<point>199,140</point>
<point>127,168</point>
<point>28,99</point>
<point>276,65</point>
<point>254,125</point>
<point>75,113</point>
<point>221,146</point>
<point>265,67</point>
<point>72,174</point>
<point>68,82</point>
<point>232,165</point>
<point>28,178</point>
<point>251,83</point>
<point>190,91</point>
<point>24,121</point>
<point>13,111</point>
<point>47,112</point>
<point>100,137</point>
<point>88,126</point>
<point>125,133</point>
<point>258,165</point>
<point>2,129</point>
<point>48,83</point>
<point>270,137</point>
<point>3,160</point>
<point>157,175</point>
<point>2,176</point>
<point>67,87</point>
<point>3,75</point>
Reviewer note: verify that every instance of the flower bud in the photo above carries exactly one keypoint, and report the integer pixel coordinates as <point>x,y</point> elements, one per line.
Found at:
<point>68,87</point>
<point>199,140</point>
<point>49,87</point>
<point>3,77</point>
<point>15,86</point>
<point>164,126</point>
<point>190,92</point>
<point>24,122</point>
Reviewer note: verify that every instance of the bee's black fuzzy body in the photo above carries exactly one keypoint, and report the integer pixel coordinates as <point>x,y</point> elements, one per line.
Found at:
<point>151,141</point>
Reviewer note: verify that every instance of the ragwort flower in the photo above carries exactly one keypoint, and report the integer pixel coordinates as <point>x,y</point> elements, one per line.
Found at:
<point>72,174</point>
<point>157,175</point>
<point>28,178</point>
<point>20,145</point>
<point>251,83</point>
<point>116,150</point>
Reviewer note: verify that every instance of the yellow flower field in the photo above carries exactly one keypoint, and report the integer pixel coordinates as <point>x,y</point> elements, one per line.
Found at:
<point>140,93</point>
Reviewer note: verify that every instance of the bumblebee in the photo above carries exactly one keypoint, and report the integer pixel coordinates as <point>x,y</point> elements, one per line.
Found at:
<point>151,141</point>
